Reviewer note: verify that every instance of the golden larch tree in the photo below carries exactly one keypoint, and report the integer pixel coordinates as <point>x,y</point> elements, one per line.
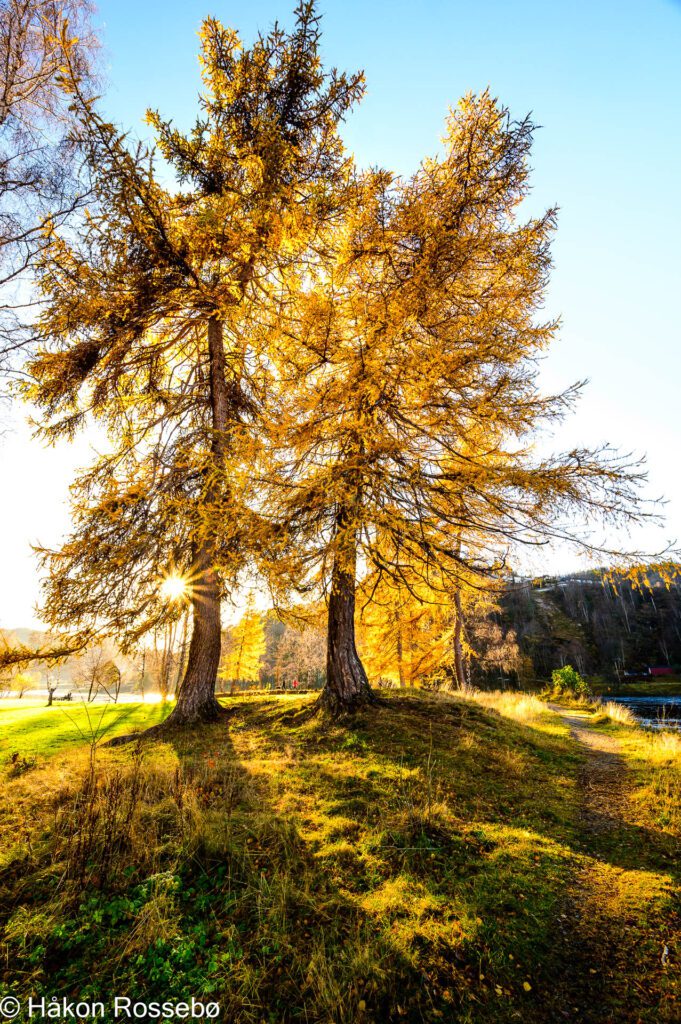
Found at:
<point>401,440</point>
<point>148,328</point>
<point>245,648</point>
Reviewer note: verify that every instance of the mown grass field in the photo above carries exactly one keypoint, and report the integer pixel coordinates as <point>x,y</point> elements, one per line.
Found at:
<point>31,728</point>
<point>419,866</point>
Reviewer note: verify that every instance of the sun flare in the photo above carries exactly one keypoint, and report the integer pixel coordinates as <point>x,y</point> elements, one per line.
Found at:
<point>173,588</point>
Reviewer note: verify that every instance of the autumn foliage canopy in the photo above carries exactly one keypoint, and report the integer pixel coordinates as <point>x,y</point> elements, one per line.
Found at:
<point>307,370</point>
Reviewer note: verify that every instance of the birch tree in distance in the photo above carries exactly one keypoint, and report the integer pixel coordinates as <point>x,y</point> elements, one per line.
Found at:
<point>38,165</point>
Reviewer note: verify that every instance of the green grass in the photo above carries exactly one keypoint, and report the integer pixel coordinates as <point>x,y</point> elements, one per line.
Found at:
<point>410,868</point>
<point>663,686</point>
<point>30,728</point>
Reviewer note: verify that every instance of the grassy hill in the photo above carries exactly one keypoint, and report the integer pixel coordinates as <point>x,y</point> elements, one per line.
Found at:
<point>426,865</point>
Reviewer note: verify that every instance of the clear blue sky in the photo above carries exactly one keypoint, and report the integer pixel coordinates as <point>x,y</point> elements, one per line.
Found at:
<point>602,78</point>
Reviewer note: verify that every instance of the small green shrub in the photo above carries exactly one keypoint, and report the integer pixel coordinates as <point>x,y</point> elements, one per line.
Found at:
<point>568,680</point>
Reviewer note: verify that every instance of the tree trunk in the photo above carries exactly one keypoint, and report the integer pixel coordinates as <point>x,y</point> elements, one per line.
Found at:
<point>459,664</point>
<point>400,652</point>
<point>119,679</point>
<point>162,672</point>
<point>90,698</point>
<point>237,671</point>
<point>183,653</point>
<point>347,687</point>
<point>196,701</point>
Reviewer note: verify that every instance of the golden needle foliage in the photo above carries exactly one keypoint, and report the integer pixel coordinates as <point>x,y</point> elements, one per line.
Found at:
<point>406,386</point>
<point>245,646</point>
<point>329,371</point>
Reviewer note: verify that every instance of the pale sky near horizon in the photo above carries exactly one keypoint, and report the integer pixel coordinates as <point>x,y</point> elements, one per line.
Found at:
<point>602,78</point>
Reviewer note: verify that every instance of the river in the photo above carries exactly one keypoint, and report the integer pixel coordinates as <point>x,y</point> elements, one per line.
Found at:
<point>655,712</point>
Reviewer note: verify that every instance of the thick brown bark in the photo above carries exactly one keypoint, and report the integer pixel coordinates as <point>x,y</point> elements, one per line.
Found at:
<point>196,701</point>
<point>347,687</point>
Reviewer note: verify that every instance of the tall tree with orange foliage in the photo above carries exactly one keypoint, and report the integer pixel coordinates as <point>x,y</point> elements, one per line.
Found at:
<point>401,441</point>
<point>149,330</point>
<point>404,635</point>
<point>245,647</point>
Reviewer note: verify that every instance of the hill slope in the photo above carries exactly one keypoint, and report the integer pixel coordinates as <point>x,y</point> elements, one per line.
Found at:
<point>602,626</point>
<point>422,866</point>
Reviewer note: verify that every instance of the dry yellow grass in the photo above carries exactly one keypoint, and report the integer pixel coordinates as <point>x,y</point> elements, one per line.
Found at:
<point>521,707</point>
<point>656,755</point>
<point>619,713</point>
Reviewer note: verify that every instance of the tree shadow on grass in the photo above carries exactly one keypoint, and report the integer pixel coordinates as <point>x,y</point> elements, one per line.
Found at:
<point>620,915</point>
<point>358,892</point>
<point>409,868</point>
<point>395,902</point>
<point>300,946</point>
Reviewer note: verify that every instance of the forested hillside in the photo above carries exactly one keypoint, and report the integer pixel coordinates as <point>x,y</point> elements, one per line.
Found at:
<point>602,624</point>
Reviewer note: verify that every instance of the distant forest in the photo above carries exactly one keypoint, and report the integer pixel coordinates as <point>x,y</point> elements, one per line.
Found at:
<point>602,625</point>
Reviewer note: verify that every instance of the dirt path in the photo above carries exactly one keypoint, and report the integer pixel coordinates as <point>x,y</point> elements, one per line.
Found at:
<point>604,780</point>
<point>609,928</point>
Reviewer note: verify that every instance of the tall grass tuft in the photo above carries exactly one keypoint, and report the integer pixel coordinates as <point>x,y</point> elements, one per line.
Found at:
<point>522,707</point>
<point>658,752</point>
<point>619,713</point>
<point>661,753</point>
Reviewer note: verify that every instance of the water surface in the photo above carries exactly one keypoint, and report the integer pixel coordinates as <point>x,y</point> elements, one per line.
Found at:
<point>657,712</point>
